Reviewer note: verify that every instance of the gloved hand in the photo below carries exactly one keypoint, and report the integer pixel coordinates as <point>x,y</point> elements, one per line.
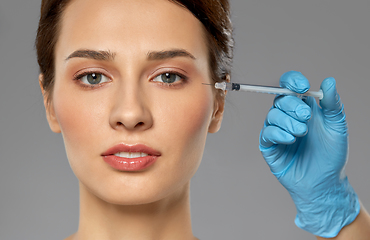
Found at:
<point>306,148</point>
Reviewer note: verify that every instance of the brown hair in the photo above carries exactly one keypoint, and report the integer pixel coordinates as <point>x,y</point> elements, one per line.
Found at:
<point>213,14</point>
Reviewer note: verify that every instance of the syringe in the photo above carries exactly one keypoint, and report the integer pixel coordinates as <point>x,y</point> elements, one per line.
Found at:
<point>264,89</point>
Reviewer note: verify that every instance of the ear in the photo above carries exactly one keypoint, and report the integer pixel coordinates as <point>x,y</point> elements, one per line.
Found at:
<point>218,111</point>
<point>49,107</point>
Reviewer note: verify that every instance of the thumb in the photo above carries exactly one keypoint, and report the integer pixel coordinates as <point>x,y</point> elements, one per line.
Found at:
<point>331,104</point>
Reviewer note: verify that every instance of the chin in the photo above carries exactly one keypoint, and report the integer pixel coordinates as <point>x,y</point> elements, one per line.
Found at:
<point>128,199</point>
<point>139,195</point>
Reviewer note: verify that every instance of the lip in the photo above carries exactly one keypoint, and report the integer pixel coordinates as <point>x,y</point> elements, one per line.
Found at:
<point>130,164</point>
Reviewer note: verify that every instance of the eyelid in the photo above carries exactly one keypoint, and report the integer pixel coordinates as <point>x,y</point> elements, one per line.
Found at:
<point>184,79</point>
<point>78,78</point>
<point>181,73</point>
<point>86,71</point>
<point>162,70</point>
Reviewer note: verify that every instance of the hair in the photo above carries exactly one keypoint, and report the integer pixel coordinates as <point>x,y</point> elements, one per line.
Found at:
<point>213,14</point>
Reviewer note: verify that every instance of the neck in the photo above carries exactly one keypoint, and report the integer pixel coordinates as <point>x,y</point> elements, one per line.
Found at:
<point>168,218</point>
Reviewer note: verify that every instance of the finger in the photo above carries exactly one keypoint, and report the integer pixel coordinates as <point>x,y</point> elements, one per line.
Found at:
<point>294,107</point>
<point>331,104</point>
<point>272,135</point>
<point>280,119</point>
<point>294,81</point>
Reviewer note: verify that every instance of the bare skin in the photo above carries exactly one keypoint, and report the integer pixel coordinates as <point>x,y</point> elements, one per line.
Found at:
<point>166,217</point>
<point>131,104</point>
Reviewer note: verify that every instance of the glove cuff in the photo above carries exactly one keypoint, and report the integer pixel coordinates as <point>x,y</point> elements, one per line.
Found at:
<point>327,215</point>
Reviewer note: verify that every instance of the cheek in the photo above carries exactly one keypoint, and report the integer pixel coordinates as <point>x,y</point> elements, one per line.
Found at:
<point>195,115</point>
<point>196,121</point>
<point>79,118</point>
<point>186,126</point>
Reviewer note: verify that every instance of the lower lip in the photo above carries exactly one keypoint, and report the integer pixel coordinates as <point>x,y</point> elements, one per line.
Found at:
<point>130,164</point>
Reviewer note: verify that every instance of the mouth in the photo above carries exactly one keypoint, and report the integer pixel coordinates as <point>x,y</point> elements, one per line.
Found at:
<point>136,157</point>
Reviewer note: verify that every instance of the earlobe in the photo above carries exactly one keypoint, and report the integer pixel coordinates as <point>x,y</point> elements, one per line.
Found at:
<point>49,107</point>
<point>217,115</point>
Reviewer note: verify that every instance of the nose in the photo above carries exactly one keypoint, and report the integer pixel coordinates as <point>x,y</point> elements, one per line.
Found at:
<point>131,111</point>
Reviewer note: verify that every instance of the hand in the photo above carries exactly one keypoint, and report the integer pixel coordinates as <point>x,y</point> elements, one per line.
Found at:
<point>306,148</point>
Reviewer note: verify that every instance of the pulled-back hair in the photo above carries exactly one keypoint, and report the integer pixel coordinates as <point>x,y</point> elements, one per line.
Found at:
<point>213,14</point>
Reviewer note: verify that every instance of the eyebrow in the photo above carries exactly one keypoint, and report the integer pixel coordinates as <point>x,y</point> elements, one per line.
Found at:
<point>92,54</point>
<point>169,54</point>
<point>109,56</point>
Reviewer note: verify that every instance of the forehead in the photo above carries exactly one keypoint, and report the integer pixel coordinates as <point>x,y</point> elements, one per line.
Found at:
<point>130,26</point>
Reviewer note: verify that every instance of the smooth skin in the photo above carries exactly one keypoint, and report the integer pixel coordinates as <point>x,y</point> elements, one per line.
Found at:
<point>132,105</point>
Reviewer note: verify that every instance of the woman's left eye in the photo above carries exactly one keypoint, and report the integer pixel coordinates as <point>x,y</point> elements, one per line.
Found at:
<point>168,78</point>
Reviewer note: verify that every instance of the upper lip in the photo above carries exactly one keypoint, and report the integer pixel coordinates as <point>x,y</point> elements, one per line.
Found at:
<point>131,148</point>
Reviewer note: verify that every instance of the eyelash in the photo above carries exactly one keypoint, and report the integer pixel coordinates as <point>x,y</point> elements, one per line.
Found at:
<point>78,77</point>
<point>183,79</point>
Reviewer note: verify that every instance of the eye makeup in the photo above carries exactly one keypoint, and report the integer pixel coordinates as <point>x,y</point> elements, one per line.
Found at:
<point>170,78</point>
<point>91,79</point>
<point>167,73</point>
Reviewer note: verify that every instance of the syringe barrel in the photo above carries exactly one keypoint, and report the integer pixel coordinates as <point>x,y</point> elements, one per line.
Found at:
<point>264,89</point>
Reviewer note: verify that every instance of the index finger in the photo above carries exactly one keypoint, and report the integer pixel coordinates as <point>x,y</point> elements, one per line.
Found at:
<point>294,81</point>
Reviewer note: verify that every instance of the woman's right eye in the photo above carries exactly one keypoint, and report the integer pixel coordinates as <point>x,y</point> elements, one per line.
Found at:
<point>93,78</point>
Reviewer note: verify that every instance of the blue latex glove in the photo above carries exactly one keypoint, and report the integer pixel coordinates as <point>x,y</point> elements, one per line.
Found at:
<point>306,149</point>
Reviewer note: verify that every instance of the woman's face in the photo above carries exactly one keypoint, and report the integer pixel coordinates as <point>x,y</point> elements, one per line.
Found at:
<point>129,78</point>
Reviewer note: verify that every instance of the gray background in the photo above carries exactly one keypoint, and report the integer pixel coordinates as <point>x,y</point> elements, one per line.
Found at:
<point>234,195</point>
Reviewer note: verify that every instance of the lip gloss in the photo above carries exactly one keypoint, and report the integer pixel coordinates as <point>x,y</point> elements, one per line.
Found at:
<point>130,164</point>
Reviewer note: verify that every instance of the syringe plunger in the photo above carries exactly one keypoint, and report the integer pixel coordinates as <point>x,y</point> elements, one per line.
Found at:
<point>264,89</point>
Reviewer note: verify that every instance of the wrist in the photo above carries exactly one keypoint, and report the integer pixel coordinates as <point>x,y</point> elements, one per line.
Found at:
<point>328,213</point>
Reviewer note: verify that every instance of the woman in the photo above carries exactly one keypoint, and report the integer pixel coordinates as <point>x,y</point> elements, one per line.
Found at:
<point>123,82</point>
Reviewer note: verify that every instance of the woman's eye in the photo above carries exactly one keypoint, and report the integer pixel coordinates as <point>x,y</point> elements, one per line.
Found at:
<point>168,78</point>
<point>93,78</point>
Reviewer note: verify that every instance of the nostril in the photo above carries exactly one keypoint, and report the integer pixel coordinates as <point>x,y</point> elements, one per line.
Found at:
<point>139,124</point>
